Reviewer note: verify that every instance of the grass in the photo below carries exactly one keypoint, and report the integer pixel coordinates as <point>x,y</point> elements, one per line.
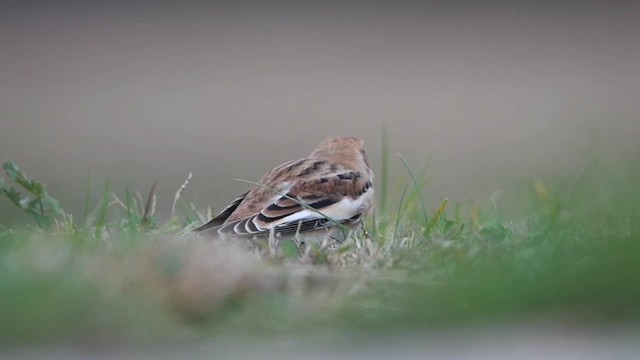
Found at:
<point>123,276</point>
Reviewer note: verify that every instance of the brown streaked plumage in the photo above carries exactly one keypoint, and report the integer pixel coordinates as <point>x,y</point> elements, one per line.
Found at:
<point>335,180</point>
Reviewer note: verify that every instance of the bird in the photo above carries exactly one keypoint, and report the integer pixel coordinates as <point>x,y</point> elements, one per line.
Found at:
<point>317,196</point>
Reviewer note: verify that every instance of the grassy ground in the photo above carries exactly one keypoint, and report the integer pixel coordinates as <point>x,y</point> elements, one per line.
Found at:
<point>119,275</point>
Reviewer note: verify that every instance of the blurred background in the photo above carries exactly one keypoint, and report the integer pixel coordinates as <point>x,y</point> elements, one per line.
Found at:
<point>133,92</point>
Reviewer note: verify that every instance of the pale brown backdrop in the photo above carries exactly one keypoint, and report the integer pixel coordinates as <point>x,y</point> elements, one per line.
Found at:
<point>142,91</point>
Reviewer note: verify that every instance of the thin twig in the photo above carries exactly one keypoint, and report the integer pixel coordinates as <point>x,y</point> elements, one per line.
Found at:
<point>178,193</point>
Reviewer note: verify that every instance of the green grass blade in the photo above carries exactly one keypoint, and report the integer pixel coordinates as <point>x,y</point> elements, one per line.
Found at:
<point>384,175</point>
<point>417,188</point>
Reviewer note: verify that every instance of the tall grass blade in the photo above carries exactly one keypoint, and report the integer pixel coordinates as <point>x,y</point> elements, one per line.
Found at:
<point>417,188</point>
<point>384,175</point>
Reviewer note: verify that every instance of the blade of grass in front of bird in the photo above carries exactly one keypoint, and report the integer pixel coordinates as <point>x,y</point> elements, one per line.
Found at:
<point>384,176</point>
<point>417,188</point>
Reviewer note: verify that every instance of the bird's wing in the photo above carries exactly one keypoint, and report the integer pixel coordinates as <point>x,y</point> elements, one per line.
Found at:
<point>223,215</point>
<point>310,204</point>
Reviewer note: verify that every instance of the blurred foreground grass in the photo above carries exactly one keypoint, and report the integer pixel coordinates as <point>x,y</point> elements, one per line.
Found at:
<point>121,275</point>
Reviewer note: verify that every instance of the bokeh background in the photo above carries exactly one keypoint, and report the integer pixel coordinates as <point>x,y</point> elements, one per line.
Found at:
<point>133,92</point>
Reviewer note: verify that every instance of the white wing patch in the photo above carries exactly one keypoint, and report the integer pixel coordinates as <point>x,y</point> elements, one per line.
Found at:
<point>339,211</point>
<point>345,210</point>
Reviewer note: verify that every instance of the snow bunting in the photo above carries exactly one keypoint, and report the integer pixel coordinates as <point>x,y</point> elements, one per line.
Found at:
<point>324,192</point>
